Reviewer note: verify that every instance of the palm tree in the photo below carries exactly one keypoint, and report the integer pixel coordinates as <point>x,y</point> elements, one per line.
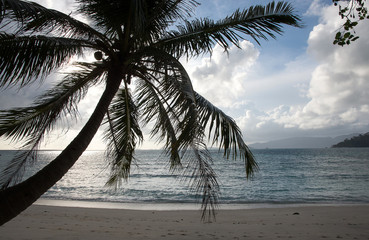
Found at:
<point>137,52</point>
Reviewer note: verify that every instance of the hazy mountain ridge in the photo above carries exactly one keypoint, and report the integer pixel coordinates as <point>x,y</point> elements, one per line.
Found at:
<point>303,142</point>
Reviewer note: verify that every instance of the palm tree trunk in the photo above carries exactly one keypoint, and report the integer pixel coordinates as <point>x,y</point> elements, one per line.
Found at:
<point>17,198</point>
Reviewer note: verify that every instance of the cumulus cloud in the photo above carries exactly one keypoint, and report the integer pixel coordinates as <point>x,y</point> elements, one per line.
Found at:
<point>336,97</point>
<point>64,6</point>
<point>339,87</point>
<point>221,77</point>
<point>261,126</point>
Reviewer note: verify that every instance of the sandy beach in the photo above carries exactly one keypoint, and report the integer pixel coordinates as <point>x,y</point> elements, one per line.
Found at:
<point>312,222</point>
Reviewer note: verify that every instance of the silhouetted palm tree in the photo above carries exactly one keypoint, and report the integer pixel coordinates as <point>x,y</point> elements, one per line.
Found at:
<point>134,43</point>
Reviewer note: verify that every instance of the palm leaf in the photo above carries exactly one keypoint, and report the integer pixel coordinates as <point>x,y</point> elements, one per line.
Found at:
<point>36,57</point>
<point>203,177</point>
<point>18,9</point>
<point>33,122</point>
<point>165,95</point>
<point>174,101</point>
<point>199,161</point>
<point>153,107</point>
<point>140,16</point>
<point>33,17</point>
<point>161,14</point>
<point>226,133</point>
<point>200,35</point>
<point>122,135</point>
<point>107,16</point>
<point>190,143</point>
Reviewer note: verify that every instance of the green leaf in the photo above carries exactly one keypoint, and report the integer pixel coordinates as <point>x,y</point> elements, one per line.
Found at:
<point>347,35</point>
<point>355,38</point>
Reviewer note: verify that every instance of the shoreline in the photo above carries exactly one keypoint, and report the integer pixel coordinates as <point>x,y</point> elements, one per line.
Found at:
<point>293,222</point>
<point>161,206</point>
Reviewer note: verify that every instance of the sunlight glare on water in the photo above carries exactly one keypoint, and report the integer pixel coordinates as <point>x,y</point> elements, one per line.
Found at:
<point>285,176</point>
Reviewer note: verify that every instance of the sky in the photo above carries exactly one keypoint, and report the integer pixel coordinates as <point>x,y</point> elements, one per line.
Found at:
<point>298,85</point>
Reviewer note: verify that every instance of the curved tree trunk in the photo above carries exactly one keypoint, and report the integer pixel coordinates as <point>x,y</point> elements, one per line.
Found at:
<point>17,198</point>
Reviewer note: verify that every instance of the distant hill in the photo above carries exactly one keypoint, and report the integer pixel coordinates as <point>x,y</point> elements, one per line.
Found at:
<point>303,142</point>
<point>357,141</point>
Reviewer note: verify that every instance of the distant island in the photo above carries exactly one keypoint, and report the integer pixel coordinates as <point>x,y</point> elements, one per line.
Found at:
<point>358,141</point>
<point>302,142</point>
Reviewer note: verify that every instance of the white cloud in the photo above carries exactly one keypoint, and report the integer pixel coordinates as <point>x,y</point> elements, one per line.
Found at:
<point>339,87</point>
<point>221,77</point>
<point>64,6</point>
<point>336,97</point>
<point>314,9</point>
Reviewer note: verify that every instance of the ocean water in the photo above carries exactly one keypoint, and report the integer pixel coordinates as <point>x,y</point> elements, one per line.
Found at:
<point>286,176</point>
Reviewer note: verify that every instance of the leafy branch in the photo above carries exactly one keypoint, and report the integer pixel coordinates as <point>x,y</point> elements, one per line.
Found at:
<point>353,12</point>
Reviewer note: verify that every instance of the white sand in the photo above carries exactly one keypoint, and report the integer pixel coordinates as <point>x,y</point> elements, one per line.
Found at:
<point>313,222</point>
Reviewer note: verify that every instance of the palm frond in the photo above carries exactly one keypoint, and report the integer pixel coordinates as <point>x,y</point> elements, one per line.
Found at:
<point>33,122</point>
<point>35,57</point>
<point>171,10</point>
<point>153,107</point>
<point>18,9</point>
<point>199,161</point>
<point>13,172</point>
<point>139,16</point>
<point>170,100</point>
<point>200,35</point>
<point>203,178</point>
<point>30,16</point>
<point>108,16</point>
<point>163,13</point>
<point>190,141</point>
<point>166,95</point>
<point>122,134</point>
<point>226,133</point>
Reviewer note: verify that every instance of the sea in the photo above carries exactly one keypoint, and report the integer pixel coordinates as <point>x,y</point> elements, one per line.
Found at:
<point>285,177</point>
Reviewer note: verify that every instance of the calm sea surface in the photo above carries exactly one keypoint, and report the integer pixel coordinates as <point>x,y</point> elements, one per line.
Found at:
<point>286,176</point>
